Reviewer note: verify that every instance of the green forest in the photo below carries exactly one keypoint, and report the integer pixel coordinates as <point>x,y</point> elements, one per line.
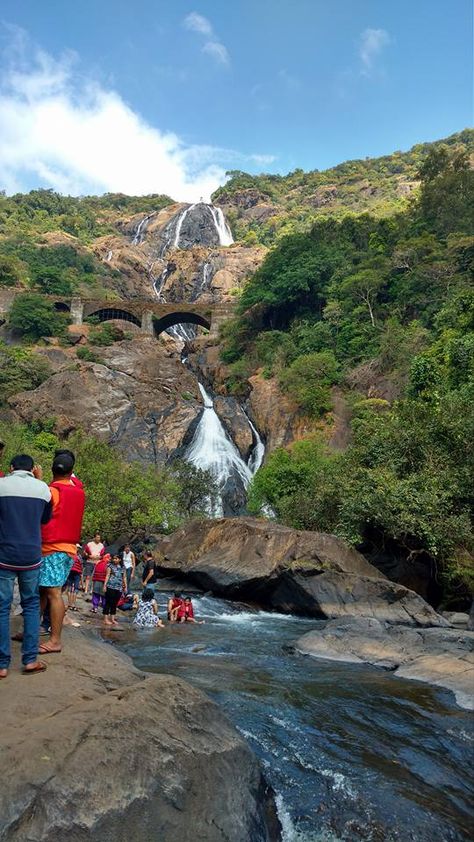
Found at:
<point>380,309</point>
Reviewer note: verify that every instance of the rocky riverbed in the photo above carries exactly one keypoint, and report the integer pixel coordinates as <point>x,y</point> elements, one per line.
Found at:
<point>370,619</point>
<point>444,657</point>
<point>95,749</point>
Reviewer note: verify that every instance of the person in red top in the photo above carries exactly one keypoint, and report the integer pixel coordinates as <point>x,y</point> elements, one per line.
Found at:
<point>174,604</point>
<point>98,579</point>
<point>186,612</point>
<point>59,544</point>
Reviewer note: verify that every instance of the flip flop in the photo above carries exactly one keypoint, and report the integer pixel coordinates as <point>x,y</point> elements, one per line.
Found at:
<point>43,650</point>
<point>40,667</point>
<point>18,636</point>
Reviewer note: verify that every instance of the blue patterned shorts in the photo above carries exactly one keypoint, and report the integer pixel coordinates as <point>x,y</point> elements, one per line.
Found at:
<point>54,570</point>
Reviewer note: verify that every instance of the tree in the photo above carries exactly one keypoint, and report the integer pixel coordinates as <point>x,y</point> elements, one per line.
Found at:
<point>20,370</point>
<point>35,317</point>
<point>363,286</point>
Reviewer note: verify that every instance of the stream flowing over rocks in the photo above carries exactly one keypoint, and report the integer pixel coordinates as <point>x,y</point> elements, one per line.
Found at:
<point>94,749</point>
<point>285,569</point>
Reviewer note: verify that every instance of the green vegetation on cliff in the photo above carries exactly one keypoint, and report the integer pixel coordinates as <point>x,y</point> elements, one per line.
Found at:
<point>383,307</point>
<point>263,208</point>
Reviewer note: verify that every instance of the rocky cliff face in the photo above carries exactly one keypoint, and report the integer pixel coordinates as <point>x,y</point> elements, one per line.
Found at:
<point>141,399</point>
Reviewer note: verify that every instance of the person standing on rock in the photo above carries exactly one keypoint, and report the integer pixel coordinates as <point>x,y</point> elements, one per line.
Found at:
<point>59,545</point>
<point>129,563</point>
<point>115,583</point>
<point>98,578</point>
<point>25,504</point>
<point>149,572</point>
<point>93,552</point>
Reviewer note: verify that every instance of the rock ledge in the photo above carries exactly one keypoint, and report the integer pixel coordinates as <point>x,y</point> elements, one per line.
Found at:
<point>95,750</point>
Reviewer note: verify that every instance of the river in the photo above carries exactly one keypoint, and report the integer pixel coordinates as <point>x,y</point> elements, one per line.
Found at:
<point>352,752</point>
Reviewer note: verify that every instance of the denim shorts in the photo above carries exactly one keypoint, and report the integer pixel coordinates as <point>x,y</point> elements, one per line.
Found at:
<point>73,580</point>
<point>54,570</point>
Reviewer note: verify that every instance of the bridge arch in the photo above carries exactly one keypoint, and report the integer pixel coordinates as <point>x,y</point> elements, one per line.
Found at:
<point>107,314</point>
<point>62,307</point>
<point>179,317</point>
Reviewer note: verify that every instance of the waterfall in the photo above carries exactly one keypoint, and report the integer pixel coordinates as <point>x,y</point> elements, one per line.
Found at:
<point>212,450</point>
<point>179,224</point>
<point>257,454</point>
<point>140,230</point>
<point>109,256</point>
<point>223,230</point>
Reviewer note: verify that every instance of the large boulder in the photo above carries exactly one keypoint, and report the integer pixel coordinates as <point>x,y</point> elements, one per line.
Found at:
<point>289,570</point>
<point>95,750</point>
<point>444,657</point>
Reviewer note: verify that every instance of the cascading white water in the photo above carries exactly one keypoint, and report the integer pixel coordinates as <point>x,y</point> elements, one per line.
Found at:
<point>109,256</point>
<point>179,225</point>
<point>212,450</point>
<point>140,230</point>
<point>258,452</point>
<point>223,231</point>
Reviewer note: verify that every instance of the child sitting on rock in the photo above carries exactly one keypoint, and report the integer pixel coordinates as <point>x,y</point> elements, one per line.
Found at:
<point>147,612</point>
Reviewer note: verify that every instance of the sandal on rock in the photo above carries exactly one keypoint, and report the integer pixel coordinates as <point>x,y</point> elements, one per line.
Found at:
<point>45,650</point>
<point>39,667</point>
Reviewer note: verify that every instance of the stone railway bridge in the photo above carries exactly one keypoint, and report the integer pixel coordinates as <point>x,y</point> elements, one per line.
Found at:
<point>152,317</point>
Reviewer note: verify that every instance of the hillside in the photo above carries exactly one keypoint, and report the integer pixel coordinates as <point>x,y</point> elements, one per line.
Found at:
<point>261,208</point>
<point>366,326</point>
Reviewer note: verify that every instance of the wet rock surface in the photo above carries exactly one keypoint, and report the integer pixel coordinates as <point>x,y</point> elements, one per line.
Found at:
<point>308,573</point>
<point>444,657</point>
<point>97,750</point>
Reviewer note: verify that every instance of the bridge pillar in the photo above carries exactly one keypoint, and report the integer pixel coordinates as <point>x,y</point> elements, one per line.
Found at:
<point>77,311</point>
<point>147,322</point>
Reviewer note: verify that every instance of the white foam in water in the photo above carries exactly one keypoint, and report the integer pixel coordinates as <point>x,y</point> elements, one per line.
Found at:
<point>290,833</point>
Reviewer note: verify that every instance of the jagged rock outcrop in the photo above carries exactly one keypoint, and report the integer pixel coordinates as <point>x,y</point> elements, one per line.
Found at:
<point>444,657</point>
<point>95,749</point>
<point>289,570</point>
<point>140,398</point>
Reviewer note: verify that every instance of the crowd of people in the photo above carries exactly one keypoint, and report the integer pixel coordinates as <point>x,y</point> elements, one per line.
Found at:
<point>41,552</point>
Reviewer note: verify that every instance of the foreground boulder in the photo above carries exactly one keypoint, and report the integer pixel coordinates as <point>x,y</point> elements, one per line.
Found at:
<point>444,657</point>
<point>95,750</point>
<point>289,570</point>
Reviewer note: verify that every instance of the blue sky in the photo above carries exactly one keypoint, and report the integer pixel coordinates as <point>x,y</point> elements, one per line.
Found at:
<point>161,96</point>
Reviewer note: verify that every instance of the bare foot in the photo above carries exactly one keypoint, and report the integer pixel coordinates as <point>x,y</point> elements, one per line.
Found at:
<point>3,673</point>
<point>107,622</point>
<point>115,622</point>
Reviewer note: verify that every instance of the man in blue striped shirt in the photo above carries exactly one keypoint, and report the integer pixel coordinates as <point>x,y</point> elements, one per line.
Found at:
<point>25,504</point>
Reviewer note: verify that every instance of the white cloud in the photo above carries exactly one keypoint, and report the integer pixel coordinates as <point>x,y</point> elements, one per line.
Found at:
<point>217,51</point>
<point>61,130</point>
<point>372,42</point>
<point>198,23</point>
<point>213,46</point>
